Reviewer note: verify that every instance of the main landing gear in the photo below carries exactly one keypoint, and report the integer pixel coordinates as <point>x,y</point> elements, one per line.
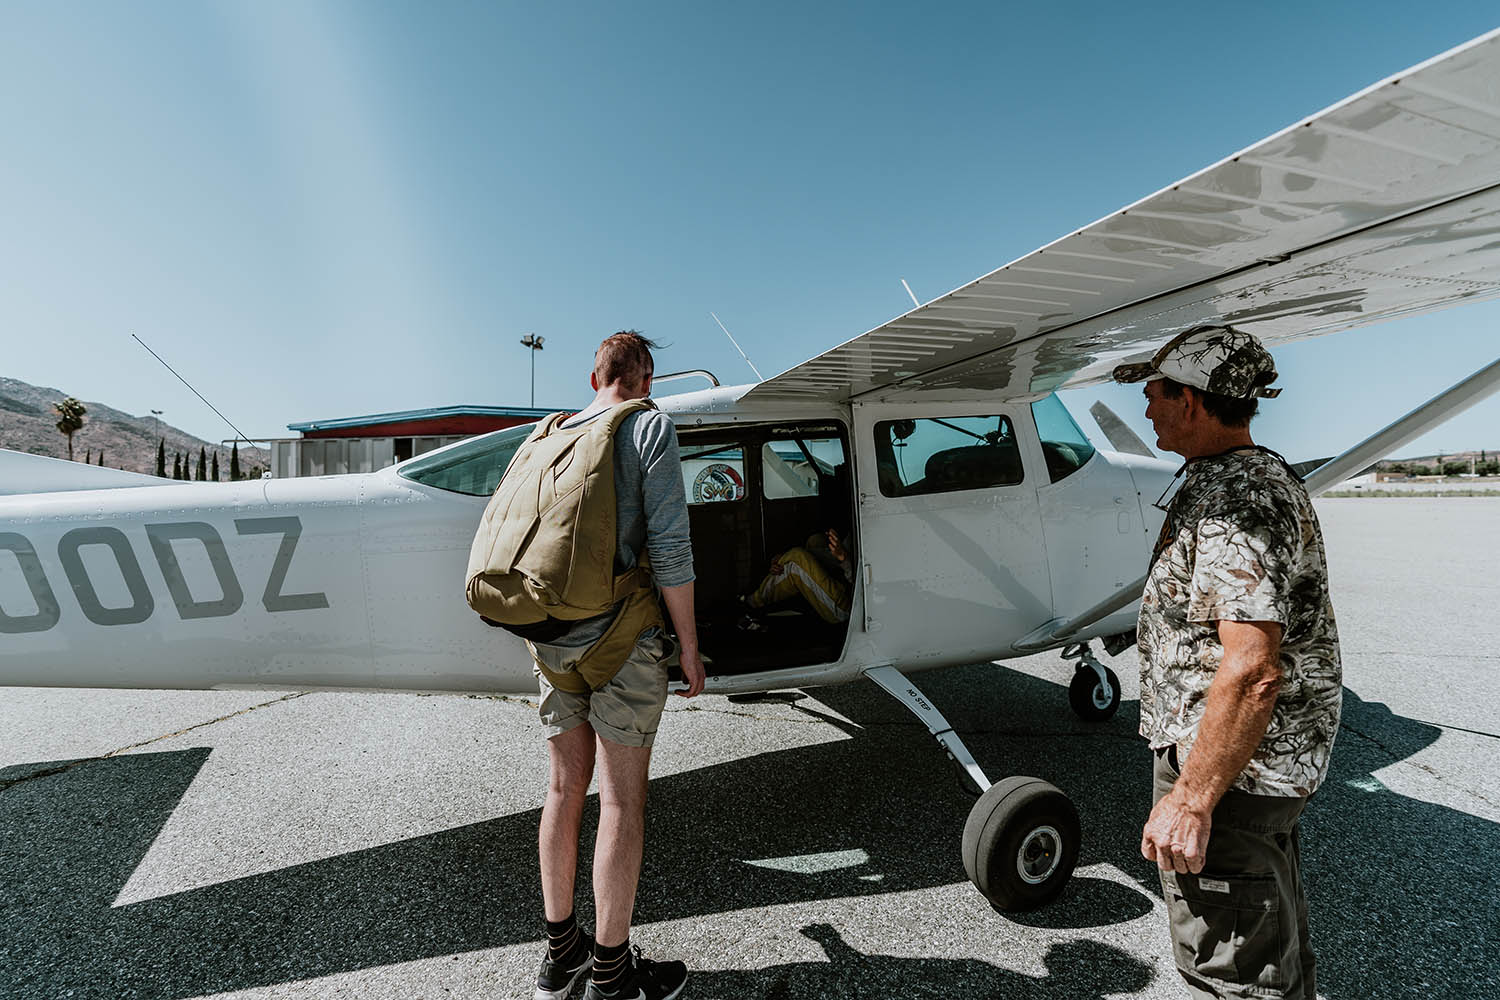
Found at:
<point>1020,843</point>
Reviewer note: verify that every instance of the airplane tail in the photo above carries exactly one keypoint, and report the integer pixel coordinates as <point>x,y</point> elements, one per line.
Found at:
<point>22,473</point>
<point>1121,437</point>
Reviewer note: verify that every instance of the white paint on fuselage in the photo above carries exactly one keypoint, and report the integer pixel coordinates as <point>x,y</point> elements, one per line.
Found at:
<point>372,594</point>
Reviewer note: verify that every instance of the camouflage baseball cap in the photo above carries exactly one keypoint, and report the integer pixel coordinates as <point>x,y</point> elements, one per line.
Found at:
<point>1217,359</point>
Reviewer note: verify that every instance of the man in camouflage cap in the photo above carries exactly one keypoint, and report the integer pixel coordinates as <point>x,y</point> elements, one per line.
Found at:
<point>1240,677</point>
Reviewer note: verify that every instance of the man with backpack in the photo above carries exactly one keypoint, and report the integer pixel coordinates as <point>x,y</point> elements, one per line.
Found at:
<point>588,522</point>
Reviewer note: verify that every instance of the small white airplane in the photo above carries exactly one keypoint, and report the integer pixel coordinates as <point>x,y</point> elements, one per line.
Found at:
<point>987,525</point>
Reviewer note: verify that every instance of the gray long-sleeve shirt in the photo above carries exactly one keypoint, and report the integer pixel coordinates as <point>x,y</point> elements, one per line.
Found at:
<point>650,508</point>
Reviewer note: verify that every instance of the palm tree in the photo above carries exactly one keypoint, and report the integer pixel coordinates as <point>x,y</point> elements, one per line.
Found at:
<point>70,413</point>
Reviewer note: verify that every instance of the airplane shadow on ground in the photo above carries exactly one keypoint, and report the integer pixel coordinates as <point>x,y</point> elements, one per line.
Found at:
<point>1076,970</point>
<point>1404,892</point>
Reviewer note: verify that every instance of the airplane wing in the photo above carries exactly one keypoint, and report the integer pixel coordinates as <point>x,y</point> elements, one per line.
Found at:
<point>22,473</point>
<point>1384,205</point>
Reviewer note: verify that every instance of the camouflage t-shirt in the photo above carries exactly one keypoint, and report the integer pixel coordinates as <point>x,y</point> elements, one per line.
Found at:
<point>1241,543</point>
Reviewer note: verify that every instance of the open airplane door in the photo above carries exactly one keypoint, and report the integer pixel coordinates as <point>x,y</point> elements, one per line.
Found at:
<point>951,542</point>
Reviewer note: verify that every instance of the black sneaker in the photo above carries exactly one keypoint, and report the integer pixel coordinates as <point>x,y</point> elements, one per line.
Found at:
<point>643,980</point>
<point>556,980</point>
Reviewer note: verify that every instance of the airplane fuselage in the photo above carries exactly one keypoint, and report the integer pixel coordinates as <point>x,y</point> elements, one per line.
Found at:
<point>357,580</point>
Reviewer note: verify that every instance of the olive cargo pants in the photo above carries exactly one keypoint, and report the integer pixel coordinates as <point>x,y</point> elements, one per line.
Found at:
<point>1239,928</point>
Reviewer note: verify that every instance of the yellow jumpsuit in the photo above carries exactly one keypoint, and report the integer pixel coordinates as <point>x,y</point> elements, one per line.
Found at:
<point>803,575</point>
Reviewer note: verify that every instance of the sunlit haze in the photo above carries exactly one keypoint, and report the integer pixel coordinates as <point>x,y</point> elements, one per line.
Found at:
<point>316,210</point>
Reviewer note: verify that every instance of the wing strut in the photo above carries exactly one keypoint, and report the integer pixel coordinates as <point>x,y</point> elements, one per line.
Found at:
<point>1424,418</point>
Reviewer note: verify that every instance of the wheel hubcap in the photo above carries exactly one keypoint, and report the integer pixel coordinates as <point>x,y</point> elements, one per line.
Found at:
<point>1102,696</point>
<point>1039,856</point>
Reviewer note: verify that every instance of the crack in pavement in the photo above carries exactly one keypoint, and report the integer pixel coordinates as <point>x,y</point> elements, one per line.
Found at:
<point>1406,651</point>
<point>752,715</point>
<point>63,768</point>
<point>1437,775</point>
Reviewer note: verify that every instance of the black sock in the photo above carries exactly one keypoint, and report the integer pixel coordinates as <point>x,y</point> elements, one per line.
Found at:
<point>562,935</point>
<point>610,964</point>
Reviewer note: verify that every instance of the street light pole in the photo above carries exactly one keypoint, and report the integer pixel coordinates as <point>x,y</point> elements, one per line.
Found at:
<point>534,343</point>
<point>156,418</point>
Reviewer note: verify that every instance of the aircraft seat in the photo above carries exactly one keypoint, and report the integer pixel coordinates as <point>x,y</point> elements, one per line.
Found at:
<point>973,467</point>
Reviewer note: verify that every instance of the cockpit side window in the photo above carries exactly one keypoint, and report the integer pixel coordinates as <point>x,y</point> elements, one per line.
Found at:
<point>472,467</point>
<point>946,454</point>
<point>1065,446</point>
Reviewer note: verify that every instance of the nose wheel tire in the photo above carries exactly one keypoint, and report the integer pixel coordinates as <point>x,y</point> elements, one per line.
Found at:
<point>1021,843</point>
<point>1092,701</point>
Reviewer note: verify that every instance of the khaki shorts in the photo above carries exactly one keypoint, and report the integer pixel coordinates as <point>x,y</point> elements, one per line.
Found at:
<point>627,710</point>
<point>1239,928</point>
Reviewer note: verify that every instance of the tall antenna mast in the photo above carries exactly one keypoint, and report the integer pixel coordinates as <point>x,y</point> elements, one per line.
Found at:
<point>737,347</point>
<point>185,382</point>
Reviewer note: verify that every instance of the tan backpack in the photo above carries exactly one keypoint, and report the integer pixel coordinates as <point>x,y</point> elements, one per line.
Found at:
<point>545,548</point>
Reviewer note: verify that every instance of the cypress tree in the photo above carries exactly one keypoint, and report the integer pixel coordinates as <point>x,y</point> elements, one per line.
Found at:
<point>202,465</point>
<point>101,456</point>
<point>176,465</point>
<point>214,472</point>
<point>88,456</point>
<point>234,463</point>
<point>161,458</point>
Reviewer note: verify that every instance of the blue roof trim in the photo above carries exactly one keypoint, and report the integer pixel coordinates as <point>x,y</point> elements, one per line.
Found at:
<point>434,413</point>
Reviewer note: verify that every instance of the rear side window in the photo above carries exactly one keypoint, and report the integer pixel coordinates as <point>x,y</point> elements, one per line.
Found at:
<point>799,467</point>
<point>1064,444</point>
<point>714,474</point>
<point>946,454</point>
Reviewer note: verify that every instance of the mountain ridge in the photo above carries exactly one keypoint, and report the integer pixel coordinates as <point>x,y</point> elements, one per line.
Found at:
<point>29,424</point>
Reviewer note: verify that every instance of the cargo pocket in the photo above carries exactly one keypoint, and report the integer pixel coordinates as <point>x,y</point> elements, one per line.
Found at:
<point>1228,931</point>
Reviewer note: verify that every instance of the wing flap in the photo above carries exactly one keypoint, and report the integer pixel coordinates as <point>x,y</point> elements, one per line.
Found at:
<point>1383,205</point>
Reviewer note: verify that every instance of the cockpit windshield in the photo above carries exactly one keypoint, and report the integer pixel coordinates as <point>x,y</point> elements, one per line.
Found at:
<point>473,467</point>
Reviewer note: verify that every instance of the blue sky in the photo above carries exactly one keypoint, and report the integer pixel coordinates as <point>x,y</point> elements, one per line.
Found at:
<point>327,209</point>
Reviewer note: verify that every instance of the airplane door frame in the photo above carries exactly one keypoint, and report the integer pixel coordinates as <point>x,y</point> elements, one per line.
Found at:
<point>950,577</point>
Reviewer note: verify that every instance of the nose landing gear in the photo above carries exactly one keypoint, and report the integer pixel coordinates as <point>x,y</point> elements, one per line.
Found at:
<point>1094,691</point>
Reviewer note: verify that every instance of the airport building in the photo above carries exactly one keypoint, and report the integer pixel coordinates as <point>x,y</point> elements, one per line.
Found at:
<point>365,444</point>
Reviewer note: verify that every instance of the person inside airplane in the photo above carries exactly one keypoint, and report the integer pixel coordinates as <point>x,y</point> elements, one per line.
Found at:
<point>820,572</point>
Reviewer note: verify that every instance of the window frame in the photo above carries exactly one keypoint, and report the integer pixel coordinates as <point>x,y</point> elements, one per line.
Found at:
<point>996,413</point>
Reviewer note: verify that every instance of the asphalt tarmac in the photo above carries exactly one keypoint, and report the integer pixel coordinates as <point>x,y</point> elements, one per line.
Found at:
<point>271,844</point>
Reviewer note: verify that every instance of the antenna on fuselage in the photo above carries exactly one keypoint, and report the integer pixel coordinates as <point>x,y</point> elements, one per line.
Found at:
<point>911,293</point>
<point>737,347</point>
<point>185,382</point>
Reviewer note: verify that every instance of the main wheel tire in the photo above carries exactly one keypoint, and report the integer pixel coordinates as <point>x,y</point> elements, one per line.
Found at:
<point>1021,843</point>
<point>1088,697</point>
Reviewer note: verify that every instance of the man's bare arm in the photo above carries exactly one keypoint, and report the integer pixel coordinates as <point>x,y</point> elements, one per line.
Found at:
<point>680,606</point>
<point>1237,710</point>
